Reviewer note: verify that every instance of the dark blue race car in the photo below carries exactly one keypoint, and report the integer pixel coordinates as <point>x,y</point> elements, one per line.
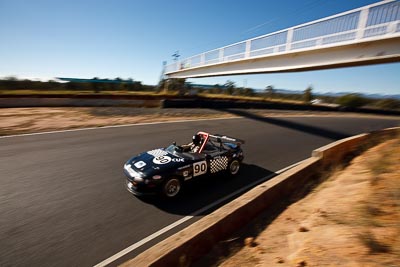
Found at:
<point>164,170</point>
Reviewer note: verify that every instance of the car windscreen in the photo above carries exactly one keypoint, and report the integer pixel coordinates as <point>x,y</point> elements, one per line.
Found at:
<point>175,150</point>
<point>172,149</point>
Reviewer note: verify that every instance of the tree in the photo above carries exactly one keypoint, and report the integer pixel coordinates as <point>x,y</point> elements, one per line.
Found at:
<point>11,78</point>
<point>230,87</point>
<point>162,85</point>
<point>217,89</point>
<point>134,86</point>
<point>248,92</point>
<point>270,91</point>
<point>95,85</point>
<point>352,101</point>
<point>388,103</point>
<point>307,95</point>
<point>174,85</point>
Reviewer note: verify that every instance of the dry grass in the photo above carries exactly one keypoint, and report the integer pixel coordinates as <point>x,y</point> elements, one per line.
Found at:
<point>28,120</point>
<point>374,246</point>
<point>145,93</point>
<point>352,219</point>
<point>382,164</point>
<point>249,98</point>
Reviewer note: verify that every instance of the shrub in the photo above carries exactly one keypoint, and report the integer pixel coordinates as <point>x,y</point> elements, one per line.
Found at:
<point>352,101</point>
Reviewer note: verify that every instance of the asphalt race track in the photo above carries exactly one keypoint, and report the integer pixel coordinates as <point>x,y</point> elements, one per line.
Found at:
<point>63,200</point>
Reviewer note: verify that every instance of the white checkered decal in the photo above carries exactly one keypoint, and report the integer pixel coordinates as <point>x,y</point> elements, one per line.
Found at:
<point>157,152</point>
<point>218,164</point>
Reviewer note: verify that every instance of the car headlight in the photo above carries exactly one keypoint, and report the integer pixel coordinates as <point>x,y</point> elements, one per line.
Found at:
<point>157,177</point>
<point>138,179</point>
<point>135,175</point>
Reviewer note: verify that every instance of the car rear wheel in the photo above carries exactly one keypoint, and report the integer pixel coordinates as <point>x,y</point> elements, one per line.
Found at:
<point>234,167</point>
<point>172,187</point>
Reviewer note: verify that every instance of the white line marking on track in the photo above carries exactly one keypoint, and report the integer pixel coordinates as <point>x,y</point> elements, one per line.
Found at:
<point>115,126</point>
<point>184,219</point>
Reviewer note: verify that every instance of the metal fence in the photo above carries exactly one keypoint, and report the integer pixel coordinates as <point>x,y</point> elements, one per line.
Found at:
<point>380,20</point>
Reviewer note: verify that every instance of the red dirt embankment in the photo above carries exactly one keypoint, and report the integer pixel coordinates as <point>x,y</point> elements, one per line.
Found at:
<point>352,219</point>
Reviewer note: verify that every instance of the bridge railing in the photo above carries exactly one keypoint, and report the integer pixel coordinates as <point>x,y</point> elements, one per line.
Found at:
<point>379,20</point>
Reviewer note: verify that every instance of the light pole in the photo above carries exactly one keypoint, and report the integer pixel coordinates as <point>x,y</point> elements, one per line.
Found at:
<point>176,55</point>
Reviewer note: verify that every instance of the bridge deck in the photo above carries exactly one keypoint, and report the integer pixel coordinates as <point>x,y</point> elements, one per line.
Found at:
<point>375,26</point>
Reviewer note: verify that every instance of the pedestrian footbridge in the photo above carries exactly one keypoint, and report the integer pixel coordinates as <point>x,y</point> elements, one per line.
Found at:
<point>367,35</point>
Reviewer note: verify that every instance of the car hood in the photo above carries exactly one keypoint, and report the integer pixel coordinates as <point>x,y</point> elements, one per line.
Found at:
<point>156,161</point>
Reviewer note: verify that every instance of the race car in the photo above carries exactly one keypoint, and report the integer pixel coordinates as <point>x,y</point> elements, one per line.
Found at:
<point>164,170</point>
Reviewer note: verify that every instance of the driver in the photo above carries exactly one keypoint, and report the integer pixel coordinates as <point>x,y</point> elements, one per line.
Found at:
<point>194,146</point>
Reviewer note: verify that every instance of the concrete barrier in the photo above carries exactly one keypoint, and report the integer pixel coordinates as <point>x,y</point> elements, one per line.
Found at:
<point>166,101</point>
<point>334,153</point>
<point>251,104</point>
<point>197,239</point>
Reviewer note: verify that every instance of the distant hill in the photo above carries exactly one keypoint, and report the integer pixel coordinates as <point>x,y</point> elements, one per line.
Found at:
<point>372,96</point>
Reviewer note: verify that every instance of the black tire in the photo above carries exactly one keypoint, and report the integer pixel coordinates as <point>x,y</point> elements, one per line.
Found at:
<point>234,167</point>
<point>171,187</point>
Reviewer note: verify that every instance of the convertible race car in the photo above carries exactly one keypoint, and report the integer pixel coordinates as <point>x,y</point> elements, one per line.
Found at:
<point>164,170</point>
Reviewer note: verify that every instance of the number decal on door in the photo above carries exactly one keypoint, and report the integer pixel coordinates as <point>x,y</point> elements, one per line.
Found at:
<point>199,168</point>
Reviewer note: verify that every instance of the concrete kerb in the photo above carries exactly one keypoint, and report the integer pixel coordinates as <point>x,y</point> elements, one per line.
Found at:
<point>194,241</point>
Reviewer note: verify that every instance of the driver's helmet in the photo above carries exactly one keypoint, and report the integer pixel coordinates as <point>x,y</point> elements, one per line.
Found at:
<point>196,139</point>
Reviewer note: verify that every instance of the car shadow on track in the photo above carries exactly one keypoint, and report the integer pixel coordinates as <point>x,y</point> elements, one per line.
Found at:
<point>204,191</point>
<point>318,131</point>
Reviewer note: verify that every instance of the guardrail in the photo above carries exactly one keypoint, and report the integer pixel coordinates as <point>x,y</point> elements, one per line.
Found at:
<point>379,20</point>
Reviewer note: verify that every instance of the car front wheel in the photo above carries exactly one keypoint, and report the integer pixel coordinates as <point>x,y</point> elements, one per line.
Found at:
<point>234,167</point>
<point>172,187</point>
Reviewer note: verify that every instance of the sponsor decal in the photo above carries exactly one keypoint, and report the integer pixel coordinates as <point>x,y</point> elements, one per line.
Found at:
<point>188,178</point>
<point>185,173</point>
<point>162,160</point>
<point>178,160</point>
<point>199,168</point>
<point>140,164</point>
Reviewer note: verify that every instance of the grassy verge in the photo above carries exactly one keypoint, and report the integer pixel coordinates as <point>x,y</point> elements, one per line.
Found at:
<point>143,93</point>
<point>249,98</point>
<point>381,209</point>
<point>351,219</point>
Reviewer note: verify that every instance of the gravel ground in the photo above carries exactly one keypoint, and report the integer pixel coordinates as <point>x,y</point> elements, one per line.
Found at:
<point>30,120</point>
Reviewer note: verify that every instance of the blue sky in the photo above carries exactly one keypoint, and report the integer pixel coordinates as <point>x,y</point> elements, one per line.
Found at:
<point>131,38</point>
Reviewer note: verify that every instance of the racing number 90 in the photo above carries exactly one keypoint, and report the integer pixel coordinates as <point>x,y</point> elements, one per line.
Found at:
<point>199,168</point>
<point>162,159</point>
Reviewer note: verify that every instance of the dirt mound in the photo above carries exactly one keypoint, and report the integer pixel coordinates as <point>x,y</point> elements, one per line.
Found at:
<point>352,219</point>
